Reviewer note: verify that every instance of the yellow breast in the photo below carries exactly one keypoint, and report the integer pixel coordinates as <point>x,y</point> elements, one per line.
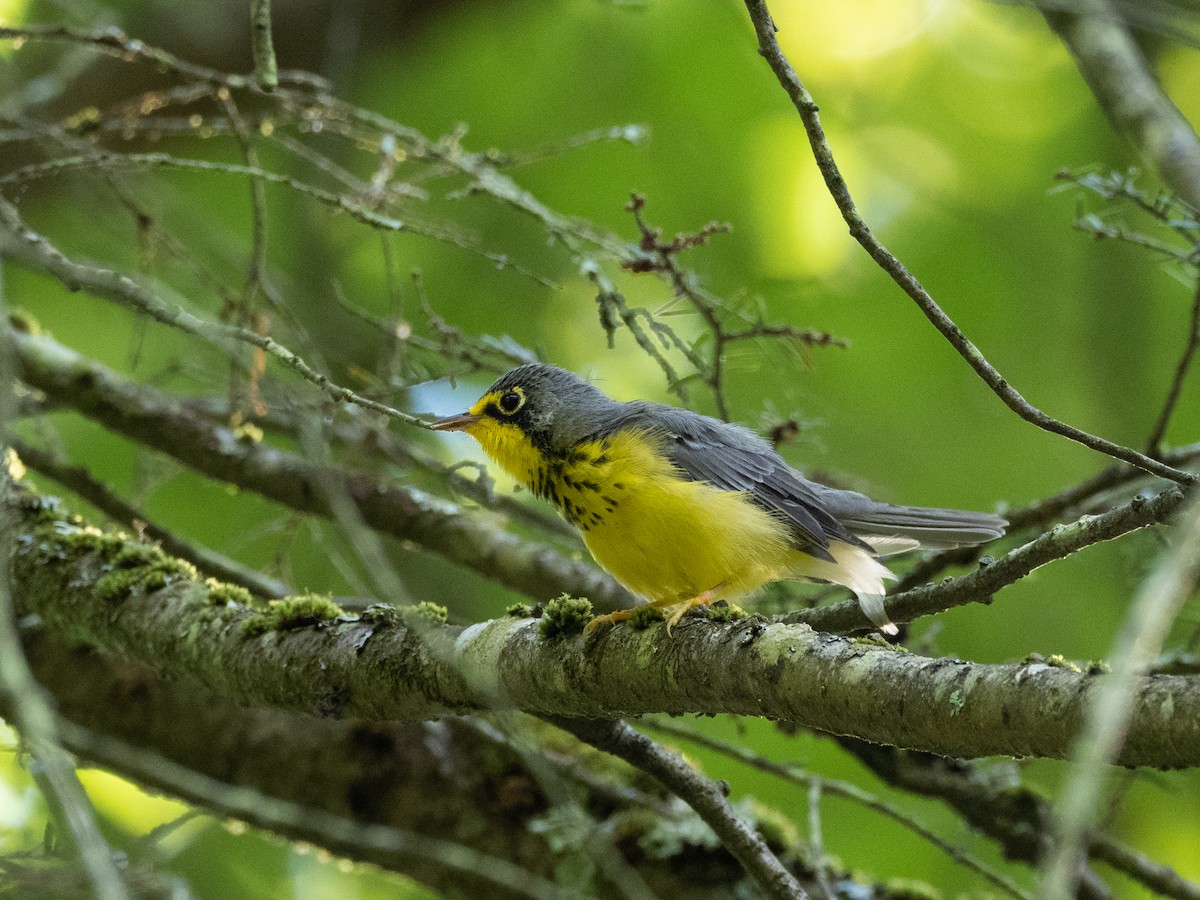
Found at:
<point>664,537</point>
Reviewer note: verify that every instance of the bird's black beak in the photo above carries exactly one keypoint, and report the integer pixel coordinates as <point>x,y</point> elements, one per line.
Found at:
<point>460,422</point>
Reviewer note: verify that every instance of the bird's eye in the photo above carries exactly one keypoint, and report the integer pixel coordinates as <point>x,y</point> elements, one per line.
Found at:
<point>511,401</point>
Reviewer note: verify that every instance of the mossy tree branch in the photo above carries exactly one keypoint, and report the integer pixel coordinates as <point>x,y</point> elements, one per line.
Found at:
<point>340,666</point>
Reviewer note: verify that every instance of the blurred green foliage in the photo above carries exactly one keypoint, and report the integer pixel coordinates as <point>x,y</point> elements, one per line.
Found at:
<point>950,120</point>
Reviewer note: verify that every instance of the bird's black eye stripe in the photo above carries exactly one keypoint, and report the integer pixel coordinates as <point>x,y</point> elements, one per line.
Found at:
<point>510,402</point>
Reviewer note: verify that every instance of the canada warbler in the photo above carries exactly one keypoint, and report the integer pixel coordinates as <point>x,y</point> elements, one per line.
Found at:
<point>684,509</point>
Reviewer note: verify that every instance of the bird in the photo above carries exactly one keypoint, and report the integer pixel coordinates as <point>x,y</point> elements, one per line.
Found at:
<point>684,509</point>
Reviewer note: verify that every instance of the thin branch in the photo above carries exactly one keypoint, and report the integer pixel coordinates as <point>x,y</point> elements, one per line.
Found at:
<point>35,249</point>
<point>980,586</point>
<point>265,69</point>
<point>1168,210</point>
<point>705,796</point>
<point>815,837</point>
<point>807,108</point>
<point>351,206</point>
<point>1110,710</point>
<point>659,256</point>
<point>114,42</point>
<point>1137,866</point>
<point>242,312</point>
<point>300,90</point>
<point>1090,495</point>
<point>795,775</point>
<point>1018,818</point>
<point>142,218</point>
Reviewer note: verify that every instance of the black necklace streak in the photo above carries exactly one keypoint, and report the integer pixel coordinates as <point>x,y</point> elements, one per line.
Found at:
<point>574,494</point>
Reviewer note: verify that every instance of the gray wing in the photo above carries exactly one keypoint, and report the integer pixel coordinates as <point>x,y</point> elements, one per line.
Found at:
<point>736,459</point>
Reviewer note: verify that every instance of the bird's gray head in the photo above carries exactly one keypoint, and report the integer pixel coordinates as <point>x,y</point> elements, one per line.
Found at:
<point>553,407</point>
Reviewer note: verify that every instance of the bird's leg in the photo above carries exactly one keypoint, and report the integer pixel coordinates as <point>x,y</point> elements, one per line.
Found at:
<point>611,618</point>
<point>707,598</point>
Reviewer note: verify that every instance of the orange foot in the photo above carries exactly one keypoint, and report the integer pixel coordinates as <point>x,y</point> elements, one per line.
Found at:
<point>705,599</point>
<point>612,618</point>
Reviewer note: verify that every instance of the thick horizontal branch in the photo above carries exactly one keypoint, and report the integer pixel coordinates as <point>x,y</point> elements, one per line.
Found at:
<point>364,668</point>
<point>167,424</point>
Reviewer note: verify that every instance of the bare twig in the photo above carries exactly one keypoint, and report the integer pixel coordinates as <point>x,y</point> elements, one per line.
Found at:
<point>1016,817</point>
<point>111,285</point>
<point>349,205</point>
<point>807,108</point>
<point>243,311</point>
<point>815,837</point>
<point>1088,495</point>
<point>705,796</point>
<point>1136,865</point>
<point>795,775</point>
<point>659,256</point>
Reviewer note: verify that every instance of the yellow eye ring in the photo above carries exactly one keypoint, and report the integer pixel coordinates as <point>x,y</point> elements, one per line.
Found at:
<point>511,401</point>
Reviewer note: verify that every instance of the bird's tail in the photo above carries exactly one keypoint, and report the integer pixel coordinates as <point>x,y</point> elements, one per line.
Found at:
<point>883,530</point>
<point>932,528</point>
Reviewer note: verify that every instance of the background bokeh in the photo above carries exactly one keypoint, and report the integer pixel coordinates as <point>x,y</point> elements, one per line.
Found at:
<point>950,120</point>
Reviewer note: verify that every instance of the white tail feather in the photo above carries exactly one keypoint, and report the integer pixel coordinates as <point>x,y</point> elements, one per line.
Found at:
<point>859,570</point>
